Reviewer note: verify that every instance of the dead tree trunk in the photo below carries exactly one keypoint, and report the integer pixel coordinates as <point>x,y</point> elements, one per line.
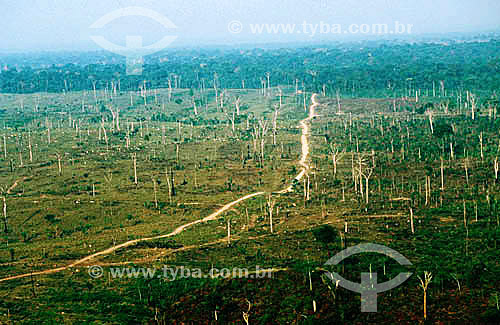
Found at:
<point>238,105</point>
<point>495,168</point>
<point>442,174</point>
<point>466,167</point>
<point>473,106</point>
<point>171,183</point>
<point>5,222</point>
<point>337,155</point>
<point>281,97</point>
<point>481,145</point>
<point>268,75</point>
<point>429,114</point>
<point>411,221</point>
<point>275,122</point>
<point>116,117</point>
<point>194,106</point>
<point>260,132</point>
<point>59,165</point>
<point>30,147</point>
<point>134,158</point>
<point>232,119</point>
<point>169,90</point>
<point>270,206</point>
<point>154,190</point>
<point>338,102</point>
<point>105,133</point>
<point>177,145</point>
<point>5,147</point>
<point>427,189</point>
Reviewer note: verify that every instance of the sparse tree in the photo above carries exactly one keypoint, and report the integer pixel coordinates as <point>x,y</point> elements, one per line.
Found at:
<point>5,147</point>
<point>270,206</point>
<point>134,160</point>
<point>169,174</point>
<point>496,167</point>
<point>238,105</point>
<point>5,222</point>
<point>337,154</point>
<point>153,179</point>
<point>232,118</point>
<point>115,113</point>
<point>424,284</point>
<point>275,122</point>
<point>59,165</point>
<point>246,315</point>
<point>430,116</point>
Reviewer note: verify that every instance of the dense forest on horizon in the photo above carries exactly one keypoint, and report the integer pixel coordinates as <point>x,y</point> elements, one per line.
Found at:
<point>361,69</point>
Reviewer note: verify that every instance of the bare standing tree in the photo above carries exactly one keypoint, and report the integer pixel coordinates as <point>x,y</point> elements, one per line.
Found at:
<point>153,179</point>
<point>232,118</point>
<point>495,168</point>
<point>281,97</point>
<point>270,206</point>
<point>169,174</point>
<point>275,122</point>
<point>228,231</point>
<point>337,155</point>
<point>116,117</point>
<point>103,128</point>
<point>59,165</point>
<point>30,147</point>
<point>169,90</point>
<point>238,105</point>
<point>466,167</point>
<point>134,159</point>
<point>430,115</point>
<point>411,221</point>
<point>5,222</point>
<point>367,174</point>
<point>481,145</point>
<point>194,106</point>
<point>259,132</point>
<point>442,174</point>
<point>263,124</point>
<point>221,99</point>
<point>268,76</point>
<point>5,146</point>
<point>364,172</point>
<point>473,103</point>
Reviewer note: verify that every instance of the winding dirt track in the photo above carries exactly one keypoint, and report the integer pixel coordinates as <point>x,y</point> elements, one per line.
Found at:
<point>15,184</point>
<point>305,143</point>
<point>213,216</point>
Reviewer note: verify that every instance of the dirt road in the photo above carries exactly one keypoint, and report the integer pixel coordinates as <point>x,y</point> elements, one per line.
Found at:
<point>213,216</point>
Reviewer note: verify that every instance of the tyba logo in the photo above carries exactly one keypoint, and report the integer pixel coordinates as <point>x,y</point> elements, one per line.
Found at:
<point>134,51</point>
<point>368,288</point>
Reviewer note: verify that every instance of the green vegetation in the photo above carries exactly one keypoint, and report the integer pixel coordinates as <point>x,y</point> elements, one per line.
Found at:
<point>403,153</point>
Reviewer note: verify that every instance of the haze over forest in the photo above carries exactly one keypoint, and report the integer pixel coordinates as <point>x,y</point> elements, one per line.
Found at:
<point>57,24</point>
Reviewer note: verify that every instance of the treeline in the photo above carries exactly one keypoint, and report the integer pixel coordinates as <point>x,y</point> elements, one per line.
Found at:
<point>363,68</point>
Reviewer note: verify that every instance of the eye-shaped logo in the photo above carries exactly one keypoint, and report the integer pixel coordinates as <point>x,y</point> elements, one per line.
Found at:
<point>134,51</point>
<point>368,288</point>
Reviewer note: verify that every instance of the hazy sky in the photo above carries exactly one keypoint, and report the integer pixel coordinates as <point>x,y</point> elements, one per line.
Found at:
<point>64,24</point>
